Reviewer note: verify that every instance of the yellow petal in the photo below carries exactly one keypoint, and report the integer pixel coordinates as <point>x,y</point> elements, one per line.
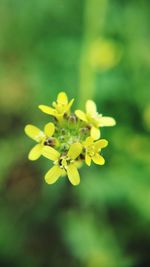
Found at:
<point>53,174</point>
<point>107,121</point>
<point>70,103</point>
<point>35,152</point>
<point>49,129</point>
<point>101,144</point>
<point>95,133</point>
<point>59,117</point>
<point>63,172</point>
<point>88,159</point>
<point>50,153</point>
<point>73,174</point>
<point>62,98</point>
<point>74,150</point>
<point>91,107</point>
<point>81,115</point>
<point>33,132</point>
<point>78,164</point>
<point>98,159</point>
<point>47,110</point>
<point>88,141</point>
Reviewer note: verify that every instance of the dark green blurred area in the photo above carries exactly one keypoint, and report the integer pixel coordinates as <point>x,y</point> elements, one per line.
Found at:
<point>47,46</point>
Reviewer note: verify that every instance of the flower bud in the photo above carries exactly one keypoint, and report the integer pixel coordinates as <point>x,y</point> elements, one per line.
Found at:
<point>63,131</point>
<point>84,131</point>
<point>64,147</point>
<point>72,119</point>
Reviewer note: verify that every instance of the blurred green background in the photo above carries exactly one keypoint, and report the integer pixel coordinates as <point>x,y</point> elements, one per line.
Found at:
<point>95,49</point>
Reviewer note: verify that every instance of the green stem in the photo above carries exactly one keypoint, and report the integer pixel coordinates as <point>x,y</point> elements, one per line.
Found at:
<point>94,17</point>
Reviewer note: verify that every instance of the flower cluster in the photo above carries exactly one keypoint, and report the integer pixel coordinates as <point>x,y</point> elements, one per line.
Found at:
<point>70,139</point>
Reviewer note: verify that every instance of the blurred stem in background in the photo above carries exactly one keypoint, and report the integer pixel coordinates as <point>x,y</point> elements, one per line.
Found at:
<point>94,18</point>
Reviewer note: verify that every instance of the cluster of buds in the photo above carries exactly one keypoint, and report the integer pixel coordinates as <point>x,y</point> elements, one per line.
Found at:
<point>70,139</point>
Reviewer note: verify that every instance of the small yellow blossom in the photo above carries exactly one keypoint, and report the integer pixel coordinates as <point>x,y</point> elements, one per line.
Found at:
<point>94,119</point>
<point>40,137</point>
<point>60,107</point>
<point>104,54</point>
<point>63,164</point>
<point>92,150</point>
<point>70,140</point>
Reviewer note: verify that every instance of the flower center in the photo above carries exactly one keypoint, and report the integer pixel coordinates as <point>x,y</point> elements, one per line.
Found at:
<point>64,162</point>
<point>91,150</point>
<point>50,142</point>
<point>93,119</point>
<point>61,108</point>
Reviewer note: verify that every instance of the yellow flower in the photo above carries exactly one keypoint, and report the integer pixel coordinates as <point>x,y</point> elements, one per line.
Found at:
<point>40,137</point>
<point>60,107</point>
<point>63,164</point>
<point>104,54</point>
<point>70,140</point>
<point>94,119</point>
<point>92,150</point>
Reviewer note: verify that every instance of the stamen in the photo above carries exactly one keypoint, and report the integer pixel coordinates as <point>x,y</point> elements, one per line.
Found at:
<point>50,142</point>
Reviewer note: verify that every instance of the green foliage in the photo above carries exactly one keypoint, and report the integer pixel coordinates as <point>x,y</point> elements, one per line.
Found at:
<point>46,47</point>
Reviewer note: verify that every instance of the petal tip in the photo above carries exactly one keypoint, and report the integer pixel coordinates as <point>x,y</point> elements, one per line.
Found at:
<point>76,184</point>
<point>105,143</point>
<point>40,107</point>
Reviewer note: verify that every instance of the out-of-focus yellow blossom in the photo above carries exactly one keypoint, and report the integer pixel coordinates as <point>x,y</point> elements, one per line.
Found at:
<point>63,164</point>
<point>92,150</point>
<point>60,107</point>
<point>104,54</point>
<point>40,137</point>
<point>94,119</point>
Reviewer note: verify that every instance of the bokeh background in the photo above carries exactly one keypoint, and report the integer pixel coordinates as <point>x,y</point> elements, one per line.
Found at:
<point>96,49</point>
